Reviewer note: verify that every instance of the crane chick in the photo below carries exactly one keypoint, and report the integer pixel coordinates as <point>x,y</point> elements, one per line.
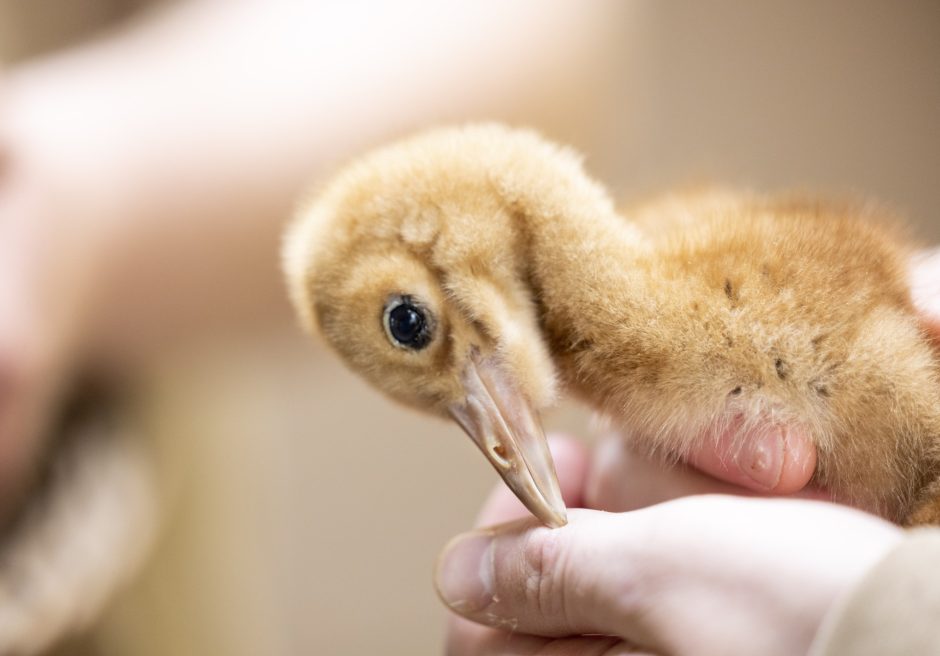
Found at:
<point>473,272</point>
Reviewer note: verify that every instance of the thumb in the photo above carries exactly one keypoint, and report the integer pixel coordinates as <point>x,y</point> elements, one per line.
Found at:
<point>701,575</point>
<point>548,582</point>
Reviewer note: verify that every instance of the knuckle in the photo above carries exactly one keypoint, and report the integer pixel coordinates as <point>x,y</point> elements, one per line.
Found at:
<point>613,467</point>
<point>544,561</point>
<point>635,589</point>
<point>600,489</point>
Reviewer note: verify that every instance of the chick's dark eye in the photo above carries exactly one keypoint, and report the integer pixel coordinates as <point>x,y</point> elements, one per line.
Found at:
<point>407,324</point>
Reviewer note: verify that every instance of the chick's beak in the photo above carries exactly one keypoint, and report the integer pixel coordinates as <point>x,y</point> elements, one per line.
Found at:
<point>502,422</point>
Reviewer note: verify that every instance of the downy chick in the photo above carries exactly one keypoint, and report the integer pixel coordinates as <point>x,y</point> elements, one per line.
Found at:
<point>473,272</point>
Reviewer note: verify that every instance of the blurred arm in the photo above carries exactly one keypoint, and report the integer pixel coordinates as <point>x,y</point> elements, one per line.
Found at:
<point>180,144</point>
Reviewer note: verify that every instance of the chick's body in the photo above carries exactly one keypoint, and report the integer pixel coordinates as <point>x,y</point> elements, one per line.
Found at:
<point>762,314</point>
<point>695,314</point>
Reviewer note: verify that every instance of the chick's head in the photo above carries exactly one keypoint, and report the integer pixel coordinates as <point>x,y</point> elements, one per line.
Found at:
<point>411,266</point>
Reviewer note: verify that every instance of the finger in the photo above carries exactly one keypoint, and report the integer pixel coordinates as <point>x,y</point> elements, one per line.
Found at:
<point>925,290</point>
<point>573,580</point>
<point>769,458</point>
<point>571,465</point>
<point>467,638</point>
<point>621,479</point>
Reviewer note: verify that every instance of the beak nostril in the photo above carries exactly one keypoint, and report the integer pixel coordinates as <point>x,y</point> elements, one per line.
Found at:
<point>499,455</point>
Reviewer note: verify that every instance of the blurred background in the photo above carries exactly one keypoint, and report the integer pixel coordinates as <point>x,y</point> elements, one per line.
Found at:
<point>150,153</point>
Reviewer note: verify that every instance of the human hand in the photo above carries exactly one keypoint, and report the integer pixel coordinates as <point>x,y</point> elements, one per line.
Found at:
<point>705,574</point>
<point>620,478</point>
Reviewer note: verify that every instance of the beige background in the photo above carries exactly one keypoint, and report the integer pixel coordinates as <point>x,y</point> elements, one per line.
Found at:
<point>308,511</point>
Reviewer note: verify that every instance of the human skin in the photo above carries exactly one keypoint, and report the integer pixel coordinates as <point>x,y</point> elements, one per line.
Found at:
<point>706,574</point>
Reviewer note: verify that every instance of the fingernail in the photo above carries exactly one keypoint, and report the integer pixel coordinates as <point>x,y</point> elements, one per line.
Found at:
<point>464,577</point>
<point>761,459</point>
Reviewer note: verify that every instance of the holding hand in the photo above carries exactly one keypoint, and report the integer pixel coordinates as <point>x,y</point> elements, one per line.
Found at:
<point>694,574</point>
<point>706,574</point>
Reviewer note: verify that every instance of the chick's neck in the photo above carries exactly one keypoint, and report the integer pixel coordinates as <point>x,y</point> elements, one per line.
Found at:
<point>585,265</point>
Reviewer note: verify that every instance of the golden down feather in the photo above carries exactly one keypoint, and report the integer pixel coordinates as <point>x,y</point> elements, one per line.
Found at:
<point>477,271</point>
